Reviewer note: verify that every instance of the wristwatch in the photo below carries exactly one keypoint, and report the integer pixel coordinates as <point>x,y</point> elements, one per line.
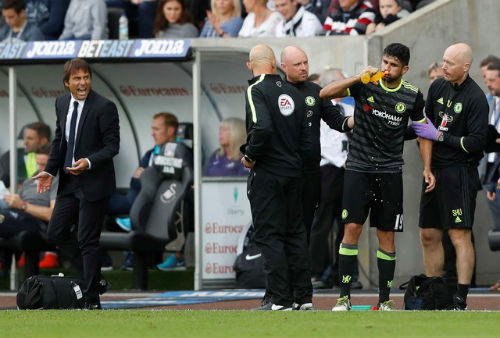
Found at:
<point>24,205</point>
<point>248,159</point>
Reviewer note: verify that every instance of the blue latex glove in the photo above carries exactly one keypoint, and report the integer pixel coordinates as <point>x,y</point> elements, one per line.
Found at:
<point>426,130</point>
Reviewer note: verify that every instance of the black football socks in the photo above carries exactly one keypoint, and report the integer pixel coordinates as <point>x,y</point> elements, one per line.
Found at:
<point>386,262</point>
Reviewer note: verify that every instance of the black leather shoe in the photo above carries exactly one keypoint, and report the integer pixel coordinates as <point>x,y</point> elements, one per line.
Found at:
<point>103,286</point>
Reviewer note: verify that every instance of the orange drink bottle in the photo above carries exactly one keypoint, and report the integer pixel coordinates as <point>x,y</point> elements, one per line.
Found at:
<point>365,78</point>
<point>377,76</point>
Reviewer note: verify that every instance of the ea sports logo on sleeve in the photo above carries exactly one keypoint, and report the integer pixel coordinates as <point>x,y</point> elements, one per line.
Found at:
<point>286,104</point>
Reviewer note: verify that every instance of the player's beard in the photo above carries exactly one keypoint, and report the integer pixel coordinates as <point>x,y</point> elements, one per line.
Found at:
<point>392,80</point>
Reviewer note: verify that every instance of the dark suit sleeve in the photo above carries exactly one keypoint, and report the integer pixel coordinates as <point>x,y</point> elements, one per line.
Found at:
<point>53,163</point>
<point>109,129</point>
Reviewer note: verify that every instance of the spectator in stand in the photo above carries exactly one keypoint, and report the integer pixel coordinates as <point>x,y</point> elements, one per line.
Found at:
<point>173,20</point>
<point>298,21</point>
<point>198,9</point>
<point>224,20</point>
<point>492,79</point>
<point>141,15</point>
<point>435,72</point>
<point>260,21</point>
<point>85,20</point>
<point>48,15</point>
<point>390,11</point>
<point>349,17</point>
<point>484,67</point>
<point>28,210</point>
<point>226,161</point>
<point>317,7</point>
<point>17,27</point>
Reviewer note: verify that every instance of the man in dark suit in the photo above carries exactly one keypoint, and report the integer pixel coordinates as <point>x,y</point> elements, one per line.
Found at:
<point>87,137</point>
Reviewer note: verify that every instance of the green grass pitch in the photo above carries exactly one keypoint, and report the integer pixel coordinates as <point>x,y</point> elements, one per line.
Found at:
<point>146,323</point>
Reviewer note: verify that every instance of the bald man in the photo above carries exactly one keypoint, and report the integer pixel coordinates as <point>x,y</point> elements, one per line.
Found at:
<point>458,112</point>
<point>277,128</point>
<point>295,64</point>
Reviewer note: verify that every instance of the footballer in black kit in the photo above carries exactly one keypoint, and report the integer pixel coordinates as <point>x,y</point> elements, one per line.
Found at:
<point>277,128</point>
<point>373,177</point>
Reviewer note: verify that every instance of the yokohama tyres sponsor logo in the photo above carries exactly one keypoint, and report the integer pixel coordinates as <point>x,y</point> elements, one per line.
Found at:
<point>216,228</point>
<point>391,119</point>
<point>218,269</point>
<point>217,249</point>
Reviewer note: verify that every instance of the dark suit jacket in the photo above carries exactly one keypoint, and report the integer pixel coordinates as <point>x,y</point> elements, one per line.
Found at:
<point>98,139</point>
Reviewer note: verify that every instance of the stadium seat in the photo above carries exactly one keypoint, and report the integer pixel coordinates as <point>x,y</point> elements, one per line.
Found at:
<point>157,214</point>
<point>494,240</point>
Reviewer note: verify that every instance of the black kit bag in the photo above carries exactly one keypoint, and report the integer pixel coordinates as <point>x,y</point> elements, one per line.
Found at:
<point>50,292</point>
<point>249,264</point>
<point>426,293</point>
<point>249,268</point>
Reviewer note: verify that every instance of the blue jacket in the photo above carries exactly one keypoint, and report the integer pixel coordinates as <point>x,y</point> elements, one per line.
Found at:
<point>29,33</point>
<point>48,15</point>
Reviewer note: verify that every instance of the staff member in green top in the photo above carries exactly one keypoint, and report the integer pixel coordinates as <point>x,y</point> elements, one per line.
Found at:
<point>457,110</point>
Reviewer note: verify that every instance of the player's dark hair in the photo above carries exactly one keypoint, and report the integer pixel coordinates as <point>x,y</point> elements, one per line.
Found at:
<point>495,66</point>
<point>487,60</point>
<point>399,51</point>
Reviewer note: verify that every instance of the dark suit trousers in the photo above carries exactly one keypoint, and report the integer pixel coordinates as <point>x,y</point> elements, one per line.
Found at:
<point>72,208</point>
<point>330,207</point>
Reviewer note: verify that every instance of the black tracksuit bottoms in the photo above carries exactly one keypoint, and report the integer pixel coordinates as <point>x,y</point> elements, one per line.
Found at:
<point>275,203</point>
